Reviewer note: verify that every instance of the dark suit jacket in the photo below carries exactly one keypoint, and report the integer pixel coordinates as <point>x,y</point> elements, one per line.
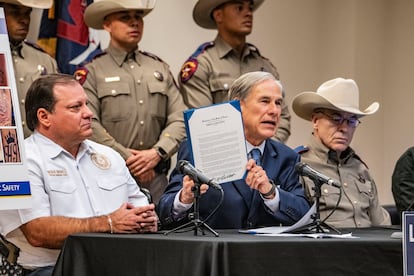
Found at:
<point>403,181</point>
<point>243,207</point>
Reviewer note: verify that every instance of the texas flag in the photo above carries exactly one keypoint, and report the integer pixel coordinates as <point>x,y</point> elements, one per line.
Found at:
<point>65,36</point>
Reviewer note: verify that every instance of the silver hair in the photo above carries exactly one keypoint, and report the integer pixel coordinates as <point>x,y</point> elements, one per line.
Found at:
<point>243,85</point>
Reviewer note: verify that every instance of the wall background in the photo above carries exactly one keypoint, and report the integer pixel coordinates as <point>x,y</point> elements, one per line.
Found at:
<point>311,41</point>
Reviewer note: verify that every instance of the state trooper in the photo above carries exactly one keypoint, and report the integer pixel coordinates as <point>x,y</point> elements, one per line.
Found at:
<point>138,110</point>
<point>206,76</point>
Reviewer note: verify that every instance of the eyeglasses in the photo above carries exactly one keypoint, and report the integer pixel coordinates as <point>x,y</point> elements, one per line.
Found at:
<point>339,120</point>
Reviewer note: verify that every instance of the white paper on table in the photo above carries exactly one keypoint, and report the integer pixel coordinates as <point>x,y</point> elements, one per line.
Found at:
<point>285,231</point>
<point>305,220</point>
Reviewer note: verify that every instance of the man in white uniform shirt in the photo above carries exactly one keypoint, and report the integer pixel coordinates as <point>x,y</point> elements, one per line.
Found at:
<point>77,185</point>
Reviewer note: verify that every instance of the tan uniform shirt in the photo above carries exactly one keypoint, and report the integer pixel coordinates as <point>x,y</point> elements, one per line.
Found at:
<point>136,103</point>
<point>29,64</point>
<point>359,205</point>
<point>208,74</point>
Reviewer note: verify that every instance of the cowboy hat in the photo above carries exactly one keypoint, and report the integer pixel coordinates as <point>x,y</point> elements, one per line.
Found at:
<point>202,12</point>
<point>96,12</point>
<point>40,4</point>
<point>337,94</point>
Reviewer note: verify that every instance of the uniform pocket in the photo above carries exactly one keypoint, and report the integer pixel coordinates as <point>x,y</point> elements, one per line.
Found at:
<point>158,100</point>
<point>330,196</point>
<point>111,183</point>
<point>220,84</point>
<point>365,190</point>
<point>116,101</point>
<point>219,87</point>
<point>64,186</point>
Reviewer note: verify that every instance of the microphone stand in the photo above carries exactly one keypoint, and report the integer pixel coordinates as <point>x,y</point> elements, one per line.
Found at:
<point>195,224</point>
<point>317,225</point>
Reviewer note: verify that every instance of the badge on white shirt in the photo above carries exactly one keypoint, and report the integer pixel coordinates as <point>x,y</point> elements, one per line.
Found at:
<point>101,161</point>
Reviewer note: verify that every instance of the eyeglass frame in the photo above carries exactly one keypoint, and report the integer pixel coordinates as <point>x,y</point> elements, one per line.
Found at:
<point>339,120</point>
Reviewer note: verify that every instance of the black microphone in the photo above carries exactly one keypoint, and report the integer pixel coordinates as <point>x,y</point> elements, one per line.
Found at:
<point>305,170</point>
<point>185,167</point>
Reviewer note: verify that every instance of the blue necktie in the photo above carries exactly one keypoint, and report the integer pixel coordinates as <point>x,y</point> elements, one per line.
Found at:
<point>256,155</point>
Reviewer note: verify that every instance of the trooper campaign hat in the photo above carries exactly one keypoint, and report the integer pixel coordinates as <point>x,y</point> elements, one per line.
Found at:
<point>40,4</point>
<point>96,12</point>
<point>203,9</point>
<point>337,94</point>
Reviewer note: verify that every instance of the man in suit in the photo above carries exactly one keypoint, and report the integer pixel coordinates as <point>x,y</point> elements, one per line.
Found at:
<point>270,194</point>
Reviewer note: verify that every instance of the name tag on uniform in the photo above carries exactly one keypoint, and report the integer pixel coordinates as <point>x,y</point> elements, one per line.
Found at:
<point>112,79</point>
<point>57,172</point>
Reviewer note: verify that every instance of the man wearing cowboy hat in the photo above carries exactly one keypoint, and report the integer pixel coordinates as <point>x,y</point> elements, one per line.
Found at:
<point>334,113</point>
<point>136,104</point>
<point>206,76</point>
<point>29,61</point>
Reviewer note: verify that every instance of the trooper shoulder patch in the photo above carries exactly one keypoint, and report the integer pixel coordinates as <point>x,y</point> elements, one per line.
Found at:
<point>81,74</point>
<point>301,149</point>
<point>190,66</point>
<point>188,69</point>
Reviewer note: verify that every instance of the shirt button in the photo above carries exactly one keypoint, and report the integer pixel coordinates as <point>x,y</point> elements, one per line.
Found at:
<point>22,101</point>
<point>139,81</point>
<point>355,202</point>
<point>226,86</point>
<point>141,123</point>
<point>141,101</point>
<point>325,190</point>
<point>23,123</point>
<point>132,66</point>
<point>141,143</point>
<point>21,79</point>
<point>113,92</point>
<point>345,184</point>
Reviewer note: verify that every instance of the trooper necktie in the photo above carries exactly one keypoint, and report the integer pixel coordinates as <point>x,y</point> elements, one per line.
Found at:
<point>256,155</point>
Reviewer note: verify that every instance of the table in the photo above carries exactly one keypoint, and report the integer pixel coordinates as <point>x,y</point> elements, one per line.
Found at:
<point>232,253</point>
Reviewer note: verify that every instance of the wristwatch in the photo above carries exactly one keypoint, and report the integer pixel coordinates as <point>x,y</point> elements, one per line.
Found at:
<point>161,153</point>
<point>271,191</point>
